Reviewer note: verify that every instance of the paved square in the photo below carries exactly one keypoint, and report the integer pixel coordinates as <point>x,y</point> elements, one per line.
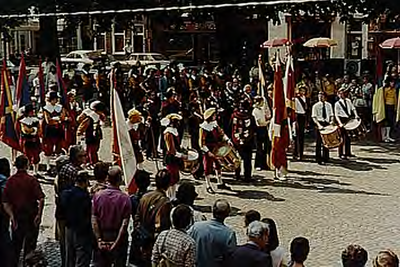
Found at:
<point>344,202</point>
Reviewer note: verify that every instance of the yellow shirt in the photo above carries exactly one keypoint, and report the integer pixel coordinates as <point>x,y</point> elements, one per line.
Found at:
<point>330,88</point>
<point>390,96</point>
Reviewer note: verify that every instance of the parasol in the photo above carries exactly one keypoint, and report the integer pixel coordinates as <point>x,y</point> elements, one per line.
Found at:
<point>393,43</point>
<point>320,42</point>
<point>276,42</point>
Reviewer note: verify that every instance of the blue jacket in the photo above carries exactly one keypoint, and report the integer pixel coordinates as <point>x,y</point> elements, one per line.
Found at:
<point>250,255</point>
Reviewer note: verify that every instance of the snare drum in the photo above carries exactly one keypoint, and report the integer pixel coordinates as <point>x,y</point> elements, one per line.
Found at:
<point>227,157</point>
<point>331,137</point>
<point>355,129</point>
<point>192,163</point>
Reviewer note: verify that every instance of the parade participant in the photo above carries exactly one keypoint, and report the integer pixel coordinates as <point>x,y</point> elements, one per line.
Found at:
<point>53,134</point>
<point>136,131</point>
<point>90,125</point>
<point>170,105</point>
<point>329,89</point>
<point>301,109</point>
<point>247,95</point>
<point>262,115</point>
<point>213,101</point>
<point>344,111</point>
<point>368,92</point>
<point>322,115</point>
<point>30,141</point>
<point>70,124</point>
<point>195,118</point>
<point>174,156</point>
<point>210,136</point>
<point>242,137</point>
<point>384,108</point>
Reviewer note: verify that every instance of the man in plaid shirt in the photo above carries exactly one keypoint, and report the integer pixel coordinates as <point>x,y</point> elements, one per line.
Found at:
<point>65,180</point>
<point>176,246</point>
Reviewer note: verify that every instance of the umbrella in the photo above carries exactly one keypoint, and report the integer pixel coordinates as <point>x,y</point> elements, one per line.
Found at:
<point>276,42</point>
<point>393,43</point>
<point>320,42</point>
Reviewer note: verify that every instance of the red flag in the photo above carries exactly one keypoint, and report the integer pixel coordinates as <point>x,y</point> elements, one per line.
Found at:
<point>8,134</point>
<point>42,90</point>
<point>280,132</point>
<point>61,87</point>
<point>23,95</point>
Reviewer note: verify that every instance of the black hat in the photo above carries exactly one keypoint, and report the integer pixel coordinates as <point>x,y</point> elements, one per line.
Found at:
<point>52,95</point>
<point>170,92</point>
<point>28,108</point>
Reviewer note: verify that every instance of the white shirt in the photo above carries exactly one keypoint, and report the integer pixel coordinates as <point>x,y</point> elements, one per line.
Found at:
<point>339,108</point>
<point>317,111</point>
<point>278,257</point>
<point>299,107</point>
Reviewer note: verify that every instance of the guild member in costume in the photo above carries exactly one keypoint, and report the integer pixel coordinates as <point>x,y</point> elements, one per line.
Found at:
<point>344,111</point>
<point>170,105</point>
<point>384,108</point>
<point>29,140</point>
<point>322,115</point>
<point>247,95</point>
<point>53,132</point>
<point>242,137</point>
<point>195,118</point>
<point>136,132</point>
<point>90,126</point>
<point>301,109</point>
<point>174,155</point>
<point>262,115</point>
<point>210,137</point>
<point>70,124</point>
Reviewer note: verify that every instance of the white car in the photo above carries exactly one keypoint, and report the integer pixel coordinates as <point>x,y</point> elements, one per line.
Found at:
<point>146,59</point>
<point>82,56</point>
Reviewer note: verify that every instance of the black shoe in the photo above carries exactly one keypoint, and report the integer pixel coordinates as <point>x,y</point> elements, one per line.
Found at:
<point>343,157</point>
<point>224,187</point>
<point>210,190</point>
<point>321,163</point>
<point>351,156</point>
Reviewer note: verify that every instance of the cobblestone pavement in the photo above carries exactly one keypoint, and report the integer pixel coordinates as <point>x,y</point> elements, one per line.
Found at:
<point>356,201</point>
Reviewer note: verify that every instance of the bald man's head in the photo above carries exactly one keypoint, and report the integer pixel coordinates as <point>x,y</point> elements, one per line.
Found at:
<point>221,209</point>
<point>115,175</point>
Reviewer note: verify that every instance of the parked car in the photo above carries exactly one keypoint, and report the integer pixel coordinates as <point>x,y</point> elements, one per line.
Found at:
<point>146,59</point>
<point>83,56</point>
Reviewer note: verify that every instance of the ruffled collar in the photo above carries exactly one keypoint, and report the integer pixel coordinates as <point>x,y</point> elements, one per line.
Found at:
<point>29,121</point>
<point>90,113</point>
<point>172,131</point>
<point>134,126</point>
<point>209,126</point>
<point>50,108</point>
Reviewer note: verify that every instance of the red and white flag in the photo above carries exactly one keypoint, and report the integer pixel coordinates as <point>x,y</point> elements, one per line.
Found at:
<point>127,159</point>
<point>289,88</point>
<point>279,124</point>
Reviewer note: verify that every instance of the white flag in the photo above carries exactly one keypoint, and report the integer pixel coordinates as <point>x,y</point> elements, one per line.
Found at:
<point>126,153</point>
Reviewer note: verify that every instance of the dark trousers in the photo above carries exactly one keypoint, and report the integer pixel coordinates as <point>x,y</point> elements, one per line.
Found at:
<point>346,145</point>
<point>245,152</point>
<point>263,147</point>
<point>78,248</point>
<point>115,258</point>
<point>301,127</point>
<point>151,138</point>
<point>4,241</point>
<point>321,152</point>
<point>25,236</point>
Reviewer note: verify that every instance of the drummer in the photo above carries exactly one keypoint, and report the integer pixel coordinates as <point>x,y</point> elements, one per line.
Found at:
<point>210,136</point>
<point>174,156</point>
<point>322,115</point>
<point>344,112</point>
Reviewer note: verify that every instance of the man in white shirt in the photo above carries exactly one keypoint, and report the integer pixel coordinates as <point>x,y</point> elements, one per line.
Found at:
<point>301,109</point>
<point>344,111</point>
<point>262,115</point>
<point>322,115</point>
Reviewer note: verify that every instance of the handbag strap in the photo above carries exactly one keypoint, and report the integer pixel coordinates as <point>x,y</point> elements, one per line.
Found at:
<point>163,243</point>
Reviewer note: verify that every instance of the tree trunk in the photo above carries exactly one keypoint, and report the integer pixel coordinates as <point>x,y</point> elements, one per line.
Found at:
<point>48,38</point>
